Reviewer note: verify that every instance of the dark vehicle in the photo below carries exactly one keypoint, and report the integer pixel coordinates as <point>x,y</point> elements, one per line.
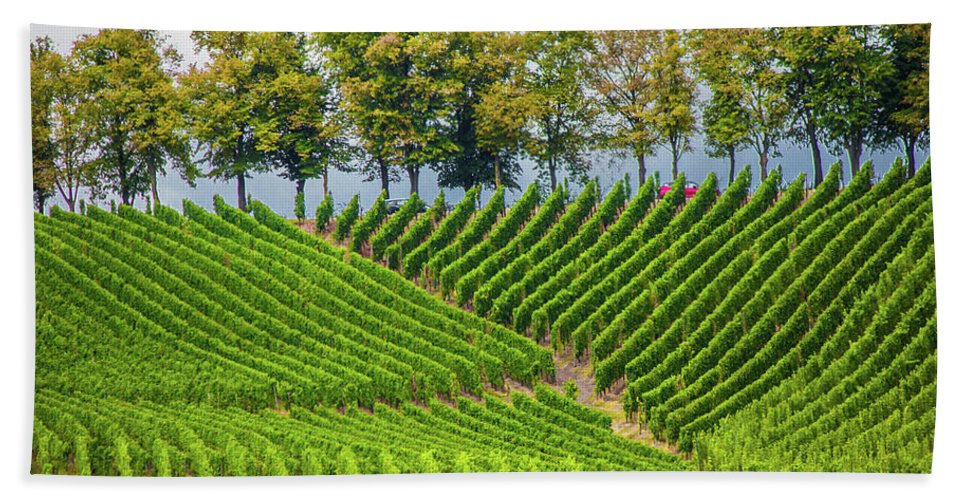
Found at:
<point>393,205</point>
<point>690,189</point>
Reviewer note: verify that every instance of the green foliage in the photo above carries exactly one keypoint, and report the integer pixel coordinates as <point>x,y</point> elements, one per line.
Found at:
<point>373,218</point>
<point>389,232</point>
<point>300,206</point>
<point>397,90</point>
<point>134,110</point>
<point>347,218</point>
<point>324,212</point>
<point>571,390</point>
<point>487,66</point>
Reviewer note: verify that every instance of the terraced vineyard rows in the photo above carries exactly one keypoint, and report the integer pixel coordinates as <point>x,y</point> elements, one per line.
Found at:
<point>699,312</point>
<point>84,434</point>
<point>223,343</point>
<point>780,329</point>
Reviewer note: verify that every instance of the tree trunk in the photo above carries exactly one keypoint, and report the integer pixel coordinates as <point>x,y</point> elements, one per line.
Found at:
<point>155,200</point>
<point>241,191</point>
<point>731,165</point>
<point>674,165</point>
<point>496,171</point>
<point>300,186</point>
<point>414,173</point>
<point>325,182</point>
<point>910,144</point>
<point>123,185</point>
<point>817,156</point>
<point>641,170</point>
<point>552,170</point>
<point>854,150</point>
<point>763,164</point>
<point>383,174</point>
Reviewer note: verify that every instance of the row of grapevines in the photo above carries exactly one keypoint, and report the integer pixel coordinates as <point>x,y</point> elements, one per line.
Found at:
<point>198,440</point>
<point>589,232</point>
<point>473,234</point>
<point>607,276</point>
<point>556,236</point>
<point>531,233</point>
<point>666,353</point>
<point>523,359</point>
<point>505,229</point>
<point>394,227</point>
<point>632,299</point>
<point>776,300</point>
<point>347,218</point>
<point>545,302</point>
<point>444,234</point>
<point>747,375</point>
<point>416,233</point>
<point>363,229</point>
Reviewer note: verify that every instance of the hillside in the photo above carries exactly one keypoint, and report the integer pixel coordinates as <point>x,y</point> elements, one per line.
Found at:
<point>153,330</point>
<point>773,320</point>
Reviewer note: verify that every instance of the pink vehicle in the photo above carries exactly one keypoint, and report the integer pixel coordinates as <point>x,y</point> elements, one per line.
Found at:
<point>690,189</point>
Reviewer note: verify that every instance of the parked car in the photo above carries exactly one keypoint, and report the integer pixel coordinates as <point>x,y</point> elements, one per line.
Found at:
<point>690,189</point>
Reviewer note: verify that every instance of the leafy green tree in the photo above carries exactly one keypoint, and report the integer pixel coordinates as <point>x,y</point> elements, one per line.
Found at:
<point>564,112</point>
<point>304,132</point>
<point>618,69</point>
<point>852,70</point>
<point>726,123</point>
<point>134,111</point>
<point>485,64</point>
<point>906,111</point>
<point>503,116</point>
<point>60,134</point>
<point>225,109</point>
<point>46,68</point>
<point>726,126</point>
<point>397,88</point>
<point>672,115</point>
<point>743,63</point>
<point>799,52</point>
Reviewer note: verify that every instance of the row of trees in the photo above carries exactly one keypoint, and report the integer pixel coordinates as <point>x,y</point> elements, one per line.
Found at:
<point>118,111</point>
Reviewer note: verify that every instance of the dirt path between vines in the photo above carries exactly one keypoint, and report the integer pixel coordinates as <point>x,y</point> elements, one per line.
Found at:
<point>582,373</point>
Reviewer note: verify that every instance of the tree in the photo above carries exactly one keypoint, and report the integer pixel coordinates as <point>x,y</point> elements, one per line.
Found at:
<point>225,110</point>
<point>800,55</point>
<point>304,131</point>
<point>486,64</point>
<point>46,69</point>
<point>906,112</point>
<point>564,113</point>
<point>726,123</point>
<point>672,115</point>
<point>502,117</point>
<point>618,70</point>
<point>62,136</point>
<point>396,88</point>
<point>134,111</point>
<point>743,62</point>
<point>852,72</point>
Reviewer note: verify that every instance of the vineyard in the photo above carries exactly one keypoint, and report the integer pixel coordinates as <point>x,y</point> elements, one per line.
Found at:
<point>774,329</point>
